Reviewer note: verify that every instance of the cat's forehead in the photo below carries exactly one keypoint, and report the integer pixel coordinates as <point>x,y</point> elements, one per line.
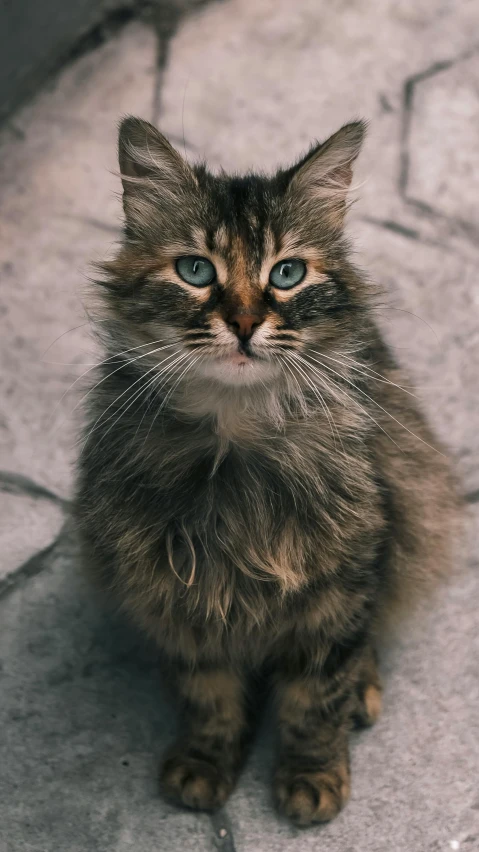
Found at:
<point>251,242</point>
<point>242,214</point>
<point>240,222</point>
<point>246,229</point>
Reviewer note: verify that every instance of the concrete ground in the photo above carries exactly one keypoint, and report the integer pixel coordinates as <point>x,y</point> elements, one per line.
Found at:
<point>244,83</point>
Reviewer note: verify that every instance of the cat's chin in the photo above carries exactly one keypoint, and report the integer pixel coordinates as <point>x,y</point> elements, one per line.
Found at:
<point>239,370</point>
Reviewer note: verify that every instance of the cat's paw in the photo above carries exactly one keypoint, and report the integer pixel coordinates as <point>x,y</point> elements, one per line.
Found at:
<point>309,797</point>
<point>195,783</point>
<point>369,706</point>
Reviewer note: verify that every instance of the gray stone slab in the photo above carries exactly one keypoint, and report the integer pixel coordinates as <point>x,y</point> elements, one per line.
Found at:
<point>262,78</point>
<point>84,722</point>
<point>60,211</point>
<point>429,315</point>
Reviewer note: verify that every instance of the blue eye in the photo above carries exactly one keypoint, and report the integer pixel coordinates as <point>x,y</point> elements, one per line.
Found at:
<point>287,273</point>
<point>197,271</point>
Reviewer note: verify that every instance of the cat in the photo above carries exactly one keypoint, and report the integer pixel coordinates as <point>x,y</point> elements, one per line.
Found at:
<point>257,487</point>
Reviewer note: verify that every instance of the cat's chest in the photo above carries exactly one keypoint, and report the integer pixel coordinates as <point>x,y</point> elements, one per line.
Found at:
<point>255,500</point>
<point>269,475</point>
<point>227,534</point>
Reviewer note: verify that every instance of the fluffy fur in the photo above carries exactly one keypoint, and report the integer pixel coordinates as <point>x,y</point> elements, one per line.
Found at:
<point>256,503</point>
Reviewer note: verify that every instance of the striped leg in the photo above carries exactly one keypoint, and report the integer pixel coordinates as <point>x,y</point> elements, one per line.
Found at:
<point>201,769</point>
<point>316,711</point>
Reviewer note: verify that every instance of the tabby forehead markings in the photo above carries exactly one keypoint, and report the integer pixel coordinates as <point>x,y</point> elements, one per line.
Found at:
<point>221,238</point>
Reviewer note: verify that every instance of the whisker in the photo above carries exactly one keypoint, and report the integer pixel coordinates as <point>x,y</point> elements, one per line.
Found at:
<point>74,364</point>
<point>122,365</point>
<point>333,427</point>
<point>355,402</point>
<point>402,387</point>
<point>135,395</point>
<point>162,375</point>
<point>353,366</point>
<point>321,401</point>
<point>379,406</point>
<point>304,404</point>
<point>135,348</point>
<point>99,364</point>
<point>412,314</point>
<point>187,368</point>
<point>334,390</point>
<point>189,364</point>
<point>68,331</point>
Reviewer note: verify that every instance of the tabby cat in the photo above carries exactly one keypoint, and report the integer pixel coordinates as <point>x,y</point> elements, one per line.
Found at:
<point>257,487</point>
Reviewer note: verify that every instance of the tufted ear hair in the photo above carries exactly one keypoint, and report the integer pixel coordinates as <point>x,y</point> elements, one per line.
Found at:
<point>152,171</point>
<point>325,173</point>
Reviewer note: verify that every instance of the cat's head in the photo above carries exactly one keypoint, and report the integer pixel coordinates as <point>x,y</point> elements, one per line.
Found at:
<point>233,276</point>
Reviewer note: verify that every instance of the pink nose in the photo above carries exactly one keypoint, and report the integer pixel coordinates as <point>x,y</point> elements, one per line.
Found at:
<point>244,325</point>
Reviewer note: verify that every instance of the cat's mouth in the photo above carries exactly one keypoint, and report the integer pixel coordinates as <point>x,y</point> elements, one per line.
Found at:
<point>240,366</point>
<point>238,358</point>
<point>242,356</point>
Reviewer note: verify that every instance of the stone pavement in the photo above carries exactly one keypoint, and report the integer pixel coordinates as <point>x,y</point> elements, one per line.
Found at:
<point>243,83</point>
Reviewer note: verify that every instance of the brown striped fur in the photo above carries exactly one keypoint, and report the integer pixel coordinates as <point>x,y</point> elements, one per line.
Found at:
<point>259,506</point>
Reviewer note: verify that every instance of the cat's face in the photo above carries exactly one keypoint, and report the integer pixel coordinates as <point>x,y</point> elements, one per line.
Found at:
<point>236,275</point>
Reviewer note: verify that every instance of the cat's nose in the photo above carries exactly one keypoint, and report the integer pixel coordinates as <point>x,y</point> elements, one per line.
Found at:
<point>244,325</point>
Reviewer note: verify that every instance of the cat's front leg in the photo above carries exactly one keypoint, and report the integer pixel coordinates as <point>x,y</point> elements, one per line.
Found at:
<point>201,768</point>
<point>316,710</point>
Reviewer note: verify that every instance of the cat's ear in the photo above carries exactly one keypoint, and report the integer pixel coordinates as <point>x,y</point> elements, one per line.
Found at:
<point>152,171</point>
<point>325,174</point>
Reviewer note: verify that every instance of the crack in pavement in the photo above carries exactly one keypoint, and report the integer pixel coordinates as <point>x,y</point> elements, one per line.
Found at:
<point>34,564</point>
<point>17,483</point>
<point>166,17</point>
<point>223,837</point>
<point>467,229</point>
<point>408,233</point>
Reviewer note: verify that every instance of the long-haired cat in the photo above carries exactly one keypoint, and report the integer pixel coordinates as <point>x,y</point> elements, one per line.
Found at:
<point>256,486</point>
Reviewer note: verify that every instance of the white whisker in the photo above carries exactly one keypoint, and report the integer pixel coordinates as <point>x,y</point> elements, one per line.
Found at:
<point>303,403</point>
<point>357,365</point>
<point>68,331</point>
<point>121,367</point>
<point>313,387</point>
<point>355,402</point>
<point>99,364</point>
<point>190,363</point>
<point>131,399</point>
<point>162,375</point>
<point>378,405</point>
